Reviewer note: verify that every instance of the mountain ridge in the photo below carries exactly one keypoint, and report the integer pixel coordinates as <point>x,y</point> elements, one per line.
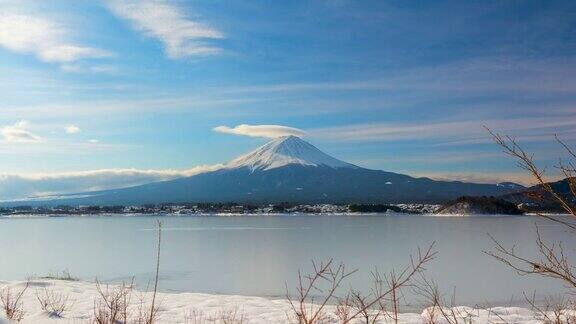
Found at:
<point>287,169</point>
<point>536,198</point>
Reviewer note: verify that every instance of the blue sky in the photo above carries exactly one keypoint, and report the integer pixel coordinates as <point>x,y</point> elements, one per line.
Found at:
<point>403,86</point>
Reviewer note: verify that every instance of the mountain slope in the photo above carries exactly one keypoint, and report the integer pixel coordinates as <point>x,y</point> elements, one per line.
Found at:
<point>479,206</point>
<point>536,198</point>
<point>284,151</point>
<point>289,169</point>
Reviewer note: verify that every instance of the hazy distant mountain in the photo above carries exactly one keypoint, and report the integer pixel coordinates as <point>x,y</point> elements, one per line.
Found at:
<point>289,169</point>
<point>511,186</point>
<point>536,198</point>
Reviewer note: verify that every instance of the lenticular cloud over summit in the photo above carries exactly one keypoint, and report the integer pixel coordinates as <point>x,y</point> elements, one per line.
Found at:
<point>266,131</point>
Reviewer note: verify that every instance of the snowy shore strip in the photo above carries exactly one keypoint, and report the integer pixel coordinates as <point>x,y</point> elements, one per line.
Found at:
<point>82,299</point>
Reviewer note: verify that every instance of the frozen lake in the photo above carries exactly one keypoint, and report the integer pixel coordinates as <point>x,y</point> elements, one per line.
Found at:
<point>256,255</point>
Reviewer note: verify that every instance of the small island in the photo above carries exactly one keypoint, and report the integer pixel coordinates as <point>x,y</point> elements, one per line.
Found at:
<point>467,205</point>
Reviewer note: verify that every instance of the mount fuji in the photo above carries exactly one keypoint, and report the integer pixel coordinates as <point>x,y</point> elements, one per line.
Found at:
<point>284,151</point>
<point>288,169</point>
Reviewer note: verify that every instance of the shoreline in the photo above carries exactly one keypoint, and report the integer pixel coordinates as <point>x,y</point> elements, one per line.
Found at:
<point>439,215</point>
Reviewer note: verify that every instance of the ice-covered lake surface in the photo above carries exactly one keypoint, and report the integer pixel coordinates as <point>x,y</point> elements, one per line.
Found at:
<point>257,255</point>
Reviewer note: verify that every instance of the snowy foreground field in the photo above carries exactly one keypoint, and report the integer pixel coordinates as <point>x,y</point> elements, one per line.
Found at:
<point>81,298</point>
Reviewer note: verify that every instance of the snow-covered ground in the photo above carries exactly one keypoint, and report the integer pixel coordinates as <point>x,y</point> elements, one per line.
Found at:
<point>204,308</point>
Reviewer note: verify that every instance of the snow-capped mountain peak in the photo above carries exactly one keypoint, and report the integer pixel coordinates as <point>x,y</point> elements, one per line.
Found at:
<point>284,151</point>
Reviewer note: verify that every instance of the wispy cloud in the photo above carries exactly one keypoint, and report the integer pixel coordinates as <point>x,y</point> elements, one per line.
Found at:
<point>472,76</point>
<point>451,132</point>
<point>13,186</point>
<point>86,69</point>
<point>44,38</point>
<point>71,129</point>
<point>19,132</point>
<point>181,36</point>
<point>122,106</point>
<point>267,131</point>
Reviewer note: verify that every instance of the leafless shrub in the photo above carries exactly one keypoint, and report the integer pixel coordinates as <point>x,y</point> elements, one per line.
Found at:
<point>552,311</point>
<point>52,301</point>
<point>526,161</point>
<point>386,307</point>
<point>389,306</point>
<point>344,308</point>
<point>366,315</point>
<point>326,278</point>
<point>12,302</point>
<point>552,261</point>
<point>112,305</point>
<point>439,309</point>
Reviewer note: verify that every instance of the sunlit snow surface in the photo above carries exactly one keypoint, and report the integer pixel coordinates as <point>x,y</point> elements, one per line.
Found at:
<point>193,308</point>
<point>284,151</point>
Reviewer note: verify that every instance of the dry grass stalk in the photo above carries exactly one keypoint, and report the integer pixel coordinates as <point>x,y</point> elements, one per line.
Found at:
<point>229,316</point>
<point>147,314</point>
<point>113,304</point>
<point>142,314</point>
<point>52,301</point>
<point>153,311</point>
<point>195,316</point>
<point>12,302</point>
<point>225,316</point>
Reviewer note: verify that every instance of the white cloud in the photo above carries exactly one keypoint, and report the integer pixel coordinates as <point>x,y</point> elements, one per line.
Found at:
<point>181,36</point>
<point>18,132</point>
<point>44,38</point>
<point>14,187</point>
<point>71,129</point>
<point>268,131</point>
